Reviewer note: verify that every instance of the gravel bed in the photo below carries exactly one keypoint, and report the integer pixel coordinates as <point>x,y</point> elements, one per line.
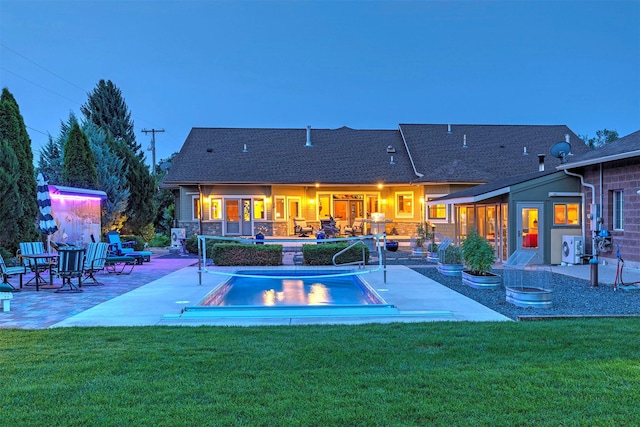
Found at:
<point>571,297</point>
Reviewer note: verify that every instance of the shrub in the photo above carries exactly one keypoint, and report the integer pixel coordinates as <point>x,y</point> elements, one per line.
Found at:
<point>160,241</point>
<point>478,253</point>
<point>234,254</point>
<point>323,254</point>
<point>148,232</point>
<point>452,255</point>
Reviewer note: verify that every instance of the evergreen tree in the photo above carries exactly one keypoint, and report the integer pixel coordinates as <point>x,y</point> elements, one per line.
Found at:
<point>9,210</point>
<point>50,162</point>
<point>111,177</point>
<point>79,165</point>
<point>14,132</point>
<point>164,201</point>
<point>107,109</point>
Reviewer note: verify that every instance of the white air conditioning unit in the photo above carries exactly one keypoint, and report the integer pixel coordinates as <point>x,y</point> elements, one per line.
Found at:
<point>572,249</point>
<point>176,235</point>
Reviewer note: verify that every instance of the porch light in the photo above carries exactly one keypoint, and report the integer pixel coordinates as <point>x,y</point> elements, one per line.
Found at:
<point>380,186</point>
<point>312,201</point>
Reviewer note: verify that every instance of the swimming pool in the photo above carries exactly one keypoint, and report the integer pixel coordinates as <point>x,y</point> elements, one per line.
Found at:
<point>307,289</point>
<point>303,293</point>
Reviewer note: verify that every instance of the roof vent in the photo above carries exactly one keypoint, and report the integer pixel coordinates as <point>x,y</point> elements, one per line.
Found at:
<point>541,162</point>
<point>566,137</point>
<point>392,162</point>
<point>449,129</point>
<point>524,152</point>
<point>244,149</point>
<point>391,149</point>
<point>308,144</point>
<point>209,150</point>
<point>464,142</point>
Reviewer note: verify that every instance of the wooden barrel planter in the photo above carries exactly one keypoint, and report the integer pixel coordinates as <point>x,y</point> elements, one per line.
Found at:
<point>530,297</point>
<point>487,281</point>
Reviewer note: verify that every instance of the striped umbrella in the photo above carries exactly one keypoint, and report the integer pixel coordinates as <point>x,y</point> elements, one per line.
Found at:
<point>46,225</point>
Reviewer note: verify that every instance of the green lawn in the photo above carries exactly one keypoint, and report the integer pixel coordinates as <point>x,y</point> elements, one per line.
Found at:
<point>573,372</point>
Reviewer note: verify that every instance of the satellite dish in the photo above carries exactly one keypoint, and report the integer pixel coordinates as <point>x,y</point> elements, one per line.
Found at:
<point>560,150</point>
<point>165,166</point>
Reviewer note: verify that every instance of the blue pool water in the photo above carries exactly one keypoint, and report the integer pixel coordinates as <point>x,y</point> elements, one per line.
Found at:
<point>301,291</point>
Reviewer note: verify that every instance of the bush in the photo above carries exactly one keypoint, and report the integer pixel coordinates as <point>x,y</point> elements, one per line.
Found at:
<point>323,254</point>
<point>453,255</point>
<point>478,253</point>
<point>160,241</point>
<point>234,254</point>
<point>148,232</point>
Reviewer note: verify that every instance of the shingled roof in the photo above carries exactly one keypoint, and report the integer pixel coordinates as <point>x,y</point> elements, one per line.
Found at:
<point>622,148</point>
<point>483,153</point>
<point>350,156</point>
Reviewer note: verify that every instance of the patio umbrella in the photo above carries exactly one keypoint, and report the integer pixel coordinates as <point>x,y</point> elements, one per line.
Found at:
<point>46,223</point>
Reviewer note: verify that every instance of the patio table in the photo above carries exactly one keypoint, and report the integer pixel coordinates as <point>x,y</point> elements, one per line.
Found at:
<point>38,270</point>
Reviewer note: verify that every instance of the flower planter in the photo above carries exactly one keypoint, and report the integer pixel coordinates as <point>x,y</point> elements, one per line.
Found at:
<point>432,256</point>
<point>530,297</point>
<point>488,281</point>
<point>450,269</point>
<point>418,251</point>
<point>392,246</point>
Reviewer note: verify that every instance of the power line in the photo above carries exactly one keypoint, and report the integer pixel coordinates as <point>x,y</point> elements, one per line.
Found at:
<point>39,85</point>
<point>44,68</point>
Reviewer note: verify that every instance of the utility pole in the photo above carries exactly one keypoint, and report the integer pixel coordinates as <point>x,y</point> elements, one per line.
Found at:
<point>153,147</point>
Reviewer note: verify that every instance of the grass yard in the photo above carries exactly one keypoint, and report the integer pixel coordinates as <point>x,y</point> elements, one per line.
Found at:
<point>569,373</point>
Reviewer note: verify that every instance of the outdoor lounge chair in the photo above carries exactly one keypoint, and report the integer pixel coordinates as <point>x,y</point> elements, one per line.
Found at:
<point>356,228</point>
<point>95,261</point>
<point>118,248</point>
<point>11,271</point>
<point>70,266</point>
<point>301,228</point>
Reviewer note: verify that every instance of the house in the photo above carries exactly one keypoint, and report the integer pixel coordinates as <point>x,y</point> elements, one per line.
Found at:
<point>233,182</point>
<point>610,177</point>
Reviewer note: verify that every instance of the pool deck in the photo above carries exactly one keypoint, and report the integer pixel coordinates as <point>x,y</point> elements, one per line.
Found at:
<point>156,292</point>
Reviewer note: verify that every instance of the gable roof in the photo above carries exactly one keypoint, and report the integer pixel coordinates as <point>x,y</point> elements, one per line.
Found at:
<point>423,153</point>
<point>281,156</point>
<point>622,148</point>
<point>491,151</point>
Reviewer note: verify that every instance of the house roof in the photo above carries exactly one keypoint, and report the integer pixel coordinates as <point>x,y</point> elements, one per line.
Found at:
<point>423,153</point>
<point>622,148</point>
<point>491,152</point>
<point>281,156</point>
<point>491,189</point>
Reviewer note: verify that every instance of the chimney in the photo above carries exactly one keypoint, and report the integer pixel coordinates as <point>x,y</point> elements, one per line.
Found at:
<point>308,144</point>
<point>541,162</point>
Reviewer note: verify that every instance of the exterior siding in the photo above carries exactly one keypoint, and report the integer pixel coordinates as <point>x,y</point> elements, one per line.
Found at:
<point>619,175</point>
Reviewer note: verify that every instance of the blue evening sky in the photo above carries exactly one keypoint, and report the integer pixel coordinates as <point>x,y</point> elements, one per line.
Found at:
<point>361,64</point>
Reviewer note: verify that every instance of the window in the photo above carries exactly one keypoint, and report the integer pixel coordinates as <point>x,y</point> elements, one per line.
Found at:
<point>436,212</point>
<point>216,208</point>
<point>258,209</point>
<point>618,210</point>
<point>566,214</point>
<point>279,209</point>
<point>404,205</point>
<point>195,208</point>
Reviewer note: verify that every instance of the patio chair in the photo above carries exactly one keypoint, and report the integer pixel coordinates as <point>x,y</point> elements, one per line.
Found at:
<point>30,248</point>
<point>356,228</point>
<point>301,228</point>
<point>7,272</point>
<point>95,261</point>
<point>118,248</point>
<point>329,227</point>
<point>70,266</point>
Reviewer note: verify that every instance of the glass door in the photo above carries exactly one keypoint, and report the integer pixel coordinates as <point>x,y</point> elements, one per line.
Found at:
<point>529,223</point>
<point>232,216</point>
<point>293,204</point>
